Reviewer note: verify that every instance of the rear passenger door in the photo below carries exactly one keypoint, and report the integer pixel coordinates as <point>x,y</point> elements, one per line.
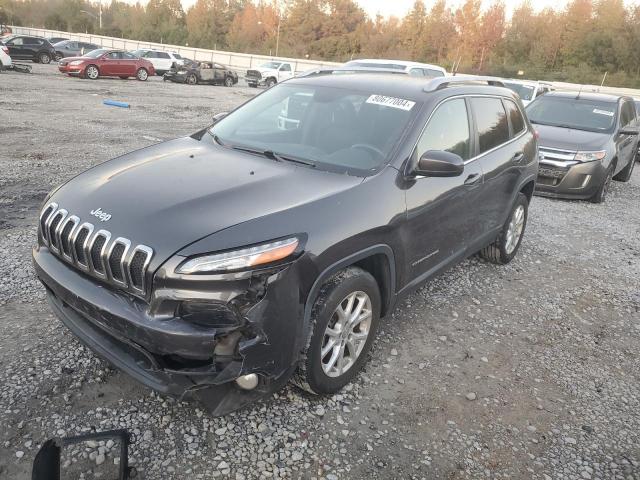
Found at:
<point>500,148</point>
<point>626,143</point>
<point>441,217</point>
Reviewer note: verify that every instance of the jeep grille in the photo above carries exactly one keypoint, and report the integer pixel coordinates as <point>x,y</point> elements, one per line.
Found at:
<point>93,251</point>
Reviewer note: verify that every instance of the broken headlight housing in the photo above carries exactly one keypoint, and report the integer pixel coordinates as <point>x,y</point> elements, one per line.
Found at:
<point>241,259</point>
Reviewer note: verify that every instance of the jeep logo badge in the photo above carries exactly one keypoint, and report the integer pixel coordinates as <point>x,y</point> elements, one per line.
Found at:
<point>103,216</point>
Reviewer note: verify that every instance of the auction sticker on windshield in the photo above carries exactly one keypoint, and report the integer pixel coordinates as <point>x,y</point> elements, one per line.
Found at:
<point>392,102</point>
<point>603,112</point>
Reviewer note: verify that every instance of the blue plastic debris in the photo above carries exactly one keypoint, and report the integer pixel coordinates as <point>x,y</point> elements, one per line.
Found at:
<point>115,103</point>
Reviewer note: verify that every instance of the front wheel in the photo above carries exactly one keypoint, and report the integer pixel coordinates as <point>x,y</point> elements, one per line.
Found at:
<point>601,194</point>
<point>44,58</point>
<point>192,79</point>
<point>345,318</point>
<point>505,247</point>
<point>271,82</point>
<point>142,74</point>
<point>92,72</point>
<point>228,82</point>
<point>58,57</point>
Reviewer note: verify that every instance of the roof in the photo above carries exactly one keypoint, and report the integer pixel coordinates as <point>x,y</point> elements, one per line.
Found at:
<point>404,63</point>
<point>602,97</point>
<point>532,83</point>
<point>400,86</point>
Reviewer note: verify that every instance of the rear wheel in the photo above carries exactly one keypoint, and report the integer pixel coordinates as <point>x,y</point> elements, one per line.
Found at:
<point>345,318</point>
<point>44,58</point>
<point>142,74</point>
<point>601,194</point>
<point>505,247</point>
<point>228,82</point>
<point>92,72</point>
<point>192,79</point>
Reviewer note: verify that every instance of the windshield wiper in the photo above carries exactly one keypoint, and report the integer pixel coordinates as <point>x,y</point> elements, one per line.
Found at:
<point>270,154</point>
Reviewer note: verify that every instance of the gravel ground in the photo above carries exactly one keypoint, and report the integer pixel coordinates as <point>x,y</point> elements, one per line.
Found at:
<point>530,370</point>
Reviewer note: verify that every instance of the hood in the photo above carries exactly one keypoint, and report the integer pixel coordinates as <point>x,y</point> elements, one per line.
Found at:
<point>71,59</point>
<point>171,194</point>
<point>570,139</point>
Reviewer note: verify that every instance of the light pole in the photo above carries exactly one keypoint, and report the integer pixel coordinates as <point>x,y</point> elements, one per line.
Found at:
<point>92,15</point>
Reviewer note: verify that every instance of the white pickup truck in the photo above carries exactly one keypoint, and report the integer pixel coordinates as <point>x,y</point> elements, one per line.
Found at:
<point>269,73</point>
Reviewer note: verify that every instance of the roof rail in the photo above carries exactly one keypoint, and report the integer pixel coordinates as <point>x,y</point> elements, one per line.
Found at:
<point>343,69</point>
<point>451,81</point>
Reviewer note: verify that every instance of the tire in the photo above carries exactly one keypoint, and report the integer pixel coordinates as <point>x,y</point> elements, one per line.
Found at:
<point>624,175</point>
<point>601,195</point>
<point>505,247</point>
<point>123,77</point>
<point>91,72</point>
<point>191,79</point>
<point>271,82</point>
<point>228,82</point>
<point>142,74</point>
<point>44,58</point>
<point>315,372</point>
<point>253,85</point>
<point>57,57</point>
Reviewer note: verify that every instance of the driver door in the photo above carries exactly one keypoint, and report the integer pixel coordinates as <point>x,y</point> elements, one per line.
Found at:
<point>111,64</point>
<point>440,216</point>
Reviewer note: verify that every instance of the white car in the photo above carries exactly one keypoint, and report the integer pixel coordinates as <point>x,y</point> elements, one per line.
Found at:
<point>412,68</point>
<point>528,90</point>
<point>5,59</point>
<point>161,60</point>
<point>270,73</point>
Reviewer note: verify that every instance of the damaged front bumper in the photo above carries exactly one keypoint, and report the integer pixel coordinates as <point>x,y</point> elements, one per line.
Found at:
<point>193,338</point>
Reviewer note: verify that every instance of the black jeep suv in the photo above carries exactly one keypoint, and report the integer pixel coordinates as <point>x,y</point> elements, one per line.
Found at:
<point>220,265</point>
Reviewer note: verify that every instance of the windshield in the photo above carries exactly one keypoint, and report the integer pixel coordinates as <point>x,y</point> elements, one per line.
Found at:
<point>333,128</point>
<point>390,66</point>
<point>525,92</point>
<point>273,65</point>
<point>581,114</point>
<point>96,53</point>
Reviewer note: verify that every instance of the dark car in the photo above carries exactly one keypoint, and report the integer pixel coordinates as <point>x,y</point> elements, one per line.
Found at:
<point>54,40</point>
<point>25,47</point>
<point>221,265</point>
<point>212,73</point>
<point>586,139</point>
<point>73,48</point>
<point>105,62</point>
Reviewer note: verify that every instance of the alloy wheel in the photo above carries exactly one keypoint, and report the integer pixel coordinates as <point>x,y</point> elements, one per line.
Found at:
<point>142,74</point>
<point>192,80</point>
<point>44,58</point>
<point>228,82</point>
<point>346,334</point>
<point>92,72</point>
<point>514,231</point>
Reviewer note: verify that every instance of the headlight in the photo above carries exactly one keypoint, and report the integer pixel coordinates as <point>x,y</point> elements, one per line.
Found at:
<point>241,259</point>
<point>590,156</point>
<point>76,62</point>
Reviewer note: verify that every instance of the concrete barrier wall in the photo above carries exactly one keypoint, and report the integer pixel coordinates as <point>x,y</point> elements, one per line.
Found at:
<point>237,61</point>
<point>244,61</point>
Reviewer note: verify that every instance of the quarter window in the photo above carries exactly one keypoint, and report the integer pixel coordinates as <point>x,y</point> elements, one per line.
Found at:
<point>491,122</point>
<point>448,130</point>
<point>517,122</point>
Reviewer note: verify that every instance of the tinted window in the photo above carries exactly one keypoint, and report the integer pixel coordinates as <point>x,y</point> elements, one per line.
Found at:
<point>570,112</point>
<point>128,56</point>
<point>524,91</point>
<point>286,68</point>
<point>162,55</point>
<point>429,72</point>
<point>517,122</point>
<point>114,56</point>
<point>448,129</point>
<point>491,122</point>
<point>627,114</point>
<point>31,41</point>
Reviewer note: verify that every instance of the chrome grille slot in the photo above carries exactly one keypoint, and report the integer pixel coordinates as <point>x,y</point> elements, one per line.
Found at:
<point>116,262</point>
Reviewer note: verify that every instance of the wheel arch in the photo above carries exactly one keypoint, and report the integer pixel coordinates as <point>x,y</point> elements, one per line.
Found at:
<point>378,260</point>
<point>527,189</point>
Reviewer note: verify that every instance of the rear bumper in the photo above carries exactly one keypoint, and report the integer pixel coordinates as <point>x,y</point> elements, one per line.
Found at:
<point>580,181</point>
<point>172,355</point>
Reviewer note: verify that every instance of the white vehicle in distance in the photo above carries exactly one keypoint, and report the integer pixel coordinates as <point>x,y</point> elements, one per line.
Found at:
<point>528,90</point>
<point>269,73</point>
<point>161,60</point>
<point>5,59</point>
<point>414,69</point>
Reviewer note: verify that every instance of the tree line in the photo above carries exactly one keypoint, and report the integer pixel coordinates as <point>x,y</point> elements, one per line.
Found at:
<point>577,43</point>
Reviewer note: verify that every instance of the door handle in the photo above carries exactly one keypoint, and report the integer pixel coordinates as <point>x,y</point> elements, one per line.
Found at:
<point>473,179</point>
<point>517,157</point>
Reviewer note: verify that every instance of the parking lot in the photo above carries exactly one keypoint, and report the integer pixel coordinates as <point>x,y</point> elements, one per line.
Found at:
<point>529,370</point>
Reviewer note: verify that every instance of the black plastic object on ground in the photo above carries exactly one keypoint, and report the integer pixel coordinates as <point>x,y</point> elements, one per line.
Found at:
<point>46,465</point>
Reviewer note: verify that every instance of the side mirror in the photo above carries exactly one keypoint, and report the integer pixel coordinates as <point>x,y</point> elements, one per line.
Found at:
<point>627,131</point>
<point>439,163</point>
<point>219,116</point>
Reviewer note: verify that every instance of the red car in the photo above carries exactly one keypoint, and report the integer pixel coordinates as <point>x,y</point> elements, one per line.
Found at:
<point>107,63</point>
